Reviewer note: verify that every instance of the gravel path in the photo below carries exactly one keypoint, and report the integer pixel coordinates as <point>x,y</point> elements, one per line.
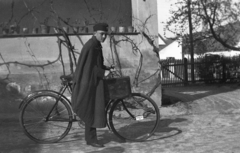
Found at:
<point>207,121</point>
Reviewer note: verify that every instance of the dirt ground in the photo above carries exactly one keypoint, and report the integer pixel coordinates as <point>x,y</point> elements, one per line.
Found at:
<point>201,119</point>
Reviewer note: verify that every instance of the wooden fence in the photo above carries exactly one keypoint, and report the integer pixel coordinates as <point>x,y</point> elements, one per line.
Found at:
<point>206,70</point>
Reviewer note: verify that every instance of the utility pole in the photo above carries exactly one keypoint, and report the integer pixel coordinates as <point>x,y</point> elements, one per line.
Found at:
<point>191,40</point>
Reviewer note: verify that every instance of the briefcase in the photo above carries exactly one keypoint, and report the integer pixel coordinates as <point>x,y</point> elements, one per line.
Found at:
<point>117,88</point>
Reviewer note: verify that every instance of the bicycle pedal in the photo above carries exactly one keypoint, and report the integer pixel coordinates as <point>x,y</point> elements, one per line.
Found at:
<point>75,116</point>
<point>149,110</point>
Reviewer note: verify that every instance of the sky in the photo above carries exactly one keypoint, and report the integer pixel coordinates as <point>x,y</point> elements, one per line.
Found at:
<point>163,15</point>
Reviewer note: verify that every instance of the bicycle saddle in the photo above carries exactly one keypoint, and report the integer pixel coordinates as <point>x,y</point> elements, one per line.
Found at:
<point>68,78</point>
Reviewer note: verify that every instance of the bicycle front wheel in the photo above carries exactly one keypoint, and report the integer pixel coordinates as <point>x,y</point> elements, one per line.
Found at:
<point>134,118</point>
<point>46,118</point>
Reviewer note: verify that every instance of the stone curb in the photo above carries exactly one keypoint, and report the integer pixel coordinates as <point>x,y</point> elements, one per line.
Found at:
<point>202,99</point>
<point>201,106</point>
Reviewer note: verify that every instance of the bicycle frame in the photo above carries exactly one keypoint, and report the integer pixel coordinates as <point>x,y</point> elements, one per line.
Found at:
<point>64,87</point>
<point>62,90</point>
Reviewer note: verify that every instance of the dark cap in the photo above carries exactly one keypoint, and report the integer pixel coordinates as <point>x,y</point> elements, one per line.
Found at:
<point>100,26</point>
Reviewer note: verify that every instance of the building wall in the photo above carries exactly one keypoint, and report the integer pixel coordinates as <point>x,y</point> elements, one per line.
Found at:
<point>39,50</point>
<point>75,12</point>
<point>172,50</point>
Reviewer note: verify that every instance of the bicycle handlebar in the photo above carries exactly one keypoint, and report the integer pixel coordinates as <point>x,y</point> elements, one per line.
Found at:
<point>113,74</point>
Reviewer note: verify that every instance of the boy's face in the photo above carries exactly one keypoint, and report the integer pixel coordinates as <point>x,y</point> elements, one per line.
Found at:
<point>101,35</point>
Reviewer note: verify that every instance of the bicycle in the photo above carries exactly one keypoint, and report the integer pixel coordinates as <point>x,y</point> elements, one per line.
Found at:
<point>46,116</point>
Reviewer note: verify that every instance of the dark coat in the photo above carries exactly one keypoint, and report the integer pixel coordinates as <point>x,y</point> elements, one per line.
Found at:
<point>88,92</point>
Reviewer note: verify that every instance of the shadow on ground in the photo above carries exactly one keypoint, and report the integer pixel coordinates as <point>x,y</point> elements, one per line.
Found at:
<point>12,136</point>
<point>175,94</point>
<point>167,127</point>
<point>166,130</point>
<point>116,149</point>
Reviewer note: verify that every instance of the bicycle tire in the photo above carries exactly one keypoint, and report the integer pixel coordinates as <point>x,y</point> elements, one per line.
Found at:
<point>26,99</point>
<point>137,120</point>
<point>36,125</point>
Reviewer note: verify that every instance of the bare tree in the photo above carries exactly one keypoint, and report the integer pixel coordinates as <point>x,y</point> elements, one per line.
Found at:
<point>217,19</point>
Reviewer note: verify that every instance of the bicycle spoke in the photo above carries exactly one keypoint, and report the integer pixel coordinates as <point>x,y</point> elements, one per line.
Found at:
<point>35,110</point>
<point>40,124</point>
<point>32,125</point>
<point>56,125</point>
<point>34,117</point>
<point>134,118</point>
<point>41,109</point>
<point>59,113</point>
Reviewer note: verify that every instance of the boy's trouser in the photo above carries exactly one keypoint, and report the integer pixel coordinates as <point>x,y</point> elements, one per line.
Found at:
<point>90,134</point>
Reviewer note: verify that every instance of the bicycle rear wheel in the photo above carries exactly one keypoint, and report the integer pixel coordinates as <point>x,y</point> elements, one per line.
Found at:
<point>41,124</point>
<point>134,118</point>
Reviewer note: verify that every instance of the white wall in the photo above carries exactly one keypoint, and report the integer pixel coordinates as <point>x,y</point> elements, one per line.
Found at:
<point>141,11</point>
<point>172,50</point>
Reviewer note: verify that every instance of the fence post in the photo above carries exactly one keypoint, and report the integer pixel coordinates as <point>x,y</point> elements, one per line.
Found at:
<point>223,71</point>
<point>185,73</point>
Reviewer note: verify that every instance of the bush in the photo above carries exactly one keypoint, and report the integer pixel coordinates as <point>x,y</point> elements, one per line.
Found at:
<point>214,68</point>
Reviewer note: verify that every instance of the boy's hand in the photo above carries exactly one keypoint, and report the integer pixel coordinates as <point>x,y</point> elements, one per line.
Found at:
<point>112,67</point>
<point>106,73</point>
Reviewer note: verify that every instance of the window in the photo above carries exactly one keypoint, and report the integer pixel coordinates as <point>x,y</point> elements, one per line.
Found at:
<point>76,12</point>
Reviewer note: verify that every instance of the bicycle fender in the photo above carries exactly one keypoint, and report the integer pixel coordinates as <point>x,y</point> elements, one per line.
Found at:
<point>29,96</point>
<point>25,99</point>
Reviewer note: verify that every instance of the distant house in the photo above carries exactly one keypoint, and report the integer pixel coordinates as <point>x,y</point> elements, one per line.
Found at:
<point>171,48</point>
<point>203,44</point>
